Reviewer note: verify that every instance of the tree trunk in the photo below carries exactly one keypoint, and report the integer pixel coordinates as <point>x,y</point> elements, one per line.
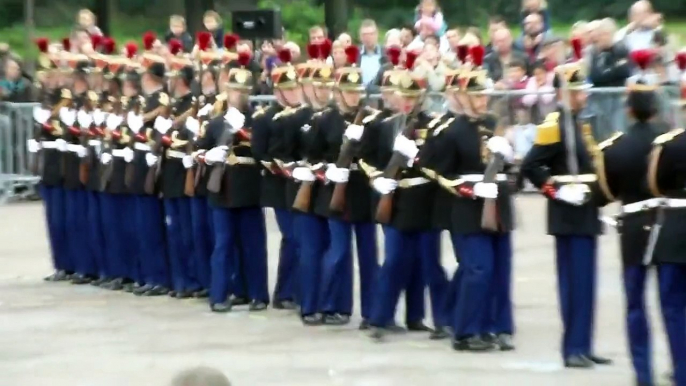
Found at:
<point>101,8</point>
<point>194,11</point>
<point>336,17</point>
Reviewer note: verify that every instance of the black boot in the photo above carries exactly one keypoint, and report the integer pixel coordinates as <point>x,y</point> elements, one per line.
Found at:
<point>142,290</point>
<point>202,294</point>
<point>336,319</point>
<point>600,360</point>
<point>364,325</point>
<point>80,279</point>
<point>440,333</point>
<point>312,320</point>
<point>418,327</point>
<point>473,344</point>
<point>114,285</point>
<point>257,305</point>
<point>504,342</point>
<point>157,290</point>
<point>57,276</point>
<point>578,362</point>
<point>284,305</point>
<point>221,307</point>
<point>240,301</point>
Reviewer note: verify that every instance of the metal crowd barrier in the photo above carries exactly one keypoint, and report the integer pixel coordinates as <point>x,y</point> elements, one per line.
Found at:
<point>520,111</point>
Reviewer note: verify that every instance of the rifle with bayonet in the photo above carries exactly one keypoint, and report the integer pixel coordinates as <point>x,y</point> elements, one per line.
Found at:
<point>227,139</point>
<point>130,171</point>
<point>85,134</point>
<point>158,150</point>
<point>111,138</point>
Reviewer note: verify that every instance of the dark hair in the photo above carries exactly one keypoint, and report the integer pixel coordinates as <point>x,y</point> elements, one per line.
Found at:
<point>410,28</point>
<point>496,19</point>
<point>539,64</point>
<point>660,38</point>
<point>517,63</point>
<point>643,104</point>
<point>434,38</point>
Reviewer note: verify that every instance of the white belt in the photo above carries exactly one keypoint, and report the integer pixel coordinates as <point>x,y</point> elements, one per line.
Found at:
<point>94,142</point>
<point>654,203</point>
<point>48,144</point>
<point>480,177</point>
<point>234,160</point>
<point>119,153</point>
<point>74,148</point>
<point>410,182</point>
<point>569,179</point>
<point>141,146</point>
<point>175,154</point>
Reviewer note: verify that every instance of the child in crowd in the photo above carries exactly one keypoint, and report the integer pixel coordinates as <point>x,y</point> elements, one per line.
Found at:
<point>177,30</point>
<point>87,20</point>
<point>542,81</point>
<point>429,9</point>
<point>523,130</point>
<point>536,6</point>
<point>214,24</point>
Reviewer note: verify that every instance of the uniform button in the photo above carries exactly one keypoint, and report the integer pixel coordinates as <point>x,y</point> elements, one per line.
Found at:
<point>646,227</point>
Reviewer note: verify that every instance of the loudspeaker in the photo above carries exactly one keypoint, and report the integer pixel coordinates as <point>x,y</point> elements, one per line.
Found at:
<point>257,24</point>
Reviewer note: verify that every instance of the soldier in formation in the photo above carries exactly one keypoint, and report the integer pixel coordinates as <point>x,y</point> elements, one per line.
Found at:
<point>165,167</point>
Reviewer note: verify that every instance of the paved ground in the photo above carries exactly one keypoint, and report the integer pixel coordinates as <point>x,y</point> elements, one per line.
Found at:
<point>59,334</point>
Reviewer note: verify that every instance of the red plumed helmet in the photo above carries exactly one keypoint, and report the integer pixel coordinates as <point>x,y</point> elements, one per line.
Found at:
<point>477,53</point>
<point>285,55</point>
<point>410,59</point>
<point>577,47</point>
<point>96,41</point>
<point>148,40</point>
<point>42,44</point>
<point>230,41</point>
<point>66,44</point>
<point>393,54</point>
<point>352,53</point>
<point>325,49</point>
<point>244,58</point>
<point>681,60</point>
<point>203,38</point>
<point>131,49</point>
<point>175,46</point>
<point>108,46</point>
<point>462,52</point>
<point>642,58</point>
<point>313,51</point>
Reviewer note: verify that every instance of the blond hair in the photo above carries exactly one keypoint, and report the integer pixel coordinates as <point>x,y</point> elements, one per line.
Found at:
<point>368,23</point>
<point>86,12</point>
<point>544,5</point>
<point>177,19</point>
<point>214,15</point>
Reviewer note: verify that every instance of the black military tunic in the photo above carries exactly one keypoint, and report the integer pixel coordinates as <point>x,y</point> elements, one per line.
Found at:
<point>51,163</point>
<point>154,105</point>
<point>622,176</point>
<point>466,154</point>
<point>546,163</point>
<point>204,170</point>
<point>287,147</point>
<point>273,186</point>
<point>433,161</point>
<point>95,135</point>
<point>74,136</point>
<point>173,173</point>
<point>122,138</point>
<point>411,204</point>
<point>358,192</point>
<point>240,186</point>
<point>667,178</point>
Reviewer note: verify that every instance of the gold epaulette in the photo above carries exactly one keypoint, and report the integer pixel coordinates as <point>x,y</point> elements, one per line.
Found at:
<point>430,173</point>
<point>371,117</point>
<point>66,93</point>
<point>283,113</point>
<point>322,112</point>
<point>434,122</point>
<point>391,117</point>
<point>163,98</point>
<point>260,111</point>
<point>449,185</point>
<point>610,141</point>
<point>176,142</point>
<point>548,132</point>
<point>664,138</point>
<point>442,127</point>
<point>93,96</point>
<point>369,170</point>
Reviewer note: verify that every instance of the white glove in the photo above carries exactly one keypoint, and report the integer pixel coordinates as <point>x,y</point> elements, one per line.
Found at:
<point>216,155</point>
<point>128,155</point>
<point>67,116</point>
<point>150,159</point>
<point>113,121</point>
<point>32,146</point>
<point>135,122</point>
<point>354,132</point>
<point>501,146</point>
<point>163,125</point>
<point>574,194</point>
<point>193,125</point>
<point>61,144</point>
<point>205,110</point>
<point>82,152</point>
<point>384,185</point>
<point>337,175</point>
<point>85,119</point>
<point>303,174</point>
<point>235,118</point>
<point>187,161</point>
<point>486,190</point>
<point>99,117</point>
<point>405,147</point>
<point>105,158</point>
<point>41,115</point>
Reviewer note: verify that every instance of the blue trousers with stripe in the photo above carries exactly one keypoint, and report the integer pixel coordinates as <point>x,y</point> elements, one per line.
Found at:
<point>151,249</point>
<point>180,244</point>
<point>54,200</point>
<point>338,270</point>
<point>121,236</point>
<point>245,227</point>
<point>672,282</point>
<point>76,216</point>
<point>313,238</point>
<point>286,278</point>
<point>401,270</point>
<point>483,304</point>
<point>96,236</point>
<point>576,275</point>
<point>203,238</point>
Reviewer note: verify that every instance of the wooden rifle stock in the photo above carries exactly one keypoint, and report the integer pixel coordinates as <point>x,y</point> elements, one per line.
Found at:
<point>304,196</point>
<point>130,172</point>
<point>345,159</point>
<point>189,186</point>
<point>489,215</point>
<point>214,182</point>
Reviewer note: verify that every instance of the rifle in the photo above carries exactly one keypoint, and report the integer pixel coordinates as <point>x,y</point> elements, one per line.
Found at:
<point>84,165</point>
<point>345,159</point>
<point>384,209</point>
<point>489,215</point>
<point>130,172</point>
<point>189,184</point>
<point>304,195</point>
<point>158,150</point>
<point>110,139</point>
<point>201,170</point>
<point>36,163</point>
<point>214,183</point>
